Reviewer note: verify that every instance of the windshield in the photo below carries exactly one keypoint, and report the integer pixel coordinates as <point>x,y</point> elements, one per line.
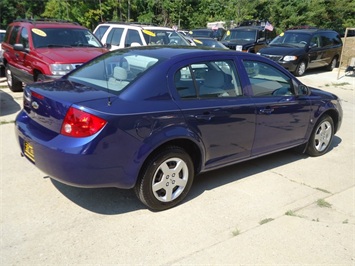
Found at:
<point>164,37</point>
<point>240,35</point>
<point>63,37</point>
<point>2,35</point>
<point>209,43</point>
<point>294,39</point>
<point>113,71</point>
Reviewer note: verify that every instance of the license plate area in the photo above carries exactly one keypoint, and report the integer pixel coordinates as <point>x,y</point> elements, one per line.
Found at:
<point>28,151</point>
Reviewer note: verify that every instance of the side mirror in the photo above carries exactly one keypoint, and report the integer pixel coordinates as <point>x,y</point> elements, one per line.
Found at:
<point>301,89</point>
<point>108,46</point>
<point>19,47</point>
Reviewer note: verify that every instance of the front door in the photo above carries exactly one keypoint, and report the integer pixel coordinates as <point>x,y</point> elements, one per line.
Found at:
<point>282,116</point>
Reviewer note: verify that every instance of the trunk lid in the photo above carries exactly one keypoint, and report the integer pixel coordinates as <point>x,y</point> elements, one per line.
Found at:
<point>47,103</point>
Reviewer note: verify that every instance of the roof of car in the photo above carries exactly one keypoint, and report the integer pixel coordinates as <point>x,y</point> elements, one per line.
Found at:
<point>134,25</point>
<point>42,23</point>
<point>248,28</point>
<point>308,30</point>
<point>186,51</point>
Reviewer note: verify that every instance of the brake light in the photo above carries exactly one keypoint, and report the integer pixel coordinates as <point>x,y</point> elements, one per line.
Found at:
<point>78,123</point>
<point>37,95</point>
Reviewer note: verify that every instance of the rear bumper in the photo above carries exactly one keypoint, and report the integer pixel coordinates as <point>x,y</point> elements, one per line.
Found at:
<point>81,163</point>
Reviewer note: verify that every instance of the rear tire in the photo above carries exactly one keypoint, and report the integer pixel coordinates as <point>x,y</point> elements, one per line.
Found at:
<point>165,179</point>
<point>14,84</point>
<point>321,137</point>
<point>333,64</point>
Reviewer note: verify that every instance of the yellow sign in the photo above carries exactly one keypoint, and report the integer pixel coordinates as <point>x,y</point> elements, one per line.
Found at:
<point>150,33</point>
<point>282,34</point>
<point>228,33</point>
<point>195,40</point>
<point>39,32</point>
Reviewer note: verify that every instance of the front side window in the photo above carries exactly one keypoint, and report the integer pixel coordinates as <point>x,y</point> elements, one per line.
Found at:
<point>212,79</point>
<point>133,37</point>
<point>267,80</point>
<point>115,35</point>
<point>99,33</point>
<point>24,38</point>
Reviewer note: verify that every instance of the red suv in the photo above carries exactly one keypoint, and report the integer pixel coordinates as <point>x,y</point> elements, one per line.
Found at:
<point>37,50</point>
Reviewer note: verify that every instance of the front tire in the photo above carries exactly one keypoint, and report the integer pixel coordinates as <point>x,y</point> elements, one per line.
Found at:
<point>165,179</point>
<point>321,137</point>
<point>301,69</point>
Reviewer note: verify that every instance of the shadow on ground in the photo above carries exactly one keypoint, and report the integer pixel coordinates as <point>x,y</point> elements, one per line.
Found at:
<point>113,201</point>
<point>8,105</point>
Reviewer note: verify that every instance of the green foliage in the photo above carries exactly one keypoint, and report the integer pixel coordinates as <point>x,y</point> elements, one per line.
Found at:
<point>187,14</point>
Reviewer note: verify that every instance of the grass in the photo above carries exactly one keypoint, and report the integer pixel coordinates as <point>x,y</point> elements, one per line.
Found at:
<point>6,122</point>
<point>290,213</point>
<point>264,221</point>
<point>323,204</point>
<point>337,84</point>
<point>323,190</point>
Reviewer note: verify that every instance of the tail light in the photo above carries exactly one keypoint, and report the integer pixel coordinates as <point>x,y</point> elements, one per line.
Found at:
<point>78,123</point>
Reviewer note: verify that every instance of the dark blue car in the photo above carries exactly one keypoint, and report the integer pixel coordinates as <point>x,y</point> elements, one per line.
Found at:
<point>151,118</point>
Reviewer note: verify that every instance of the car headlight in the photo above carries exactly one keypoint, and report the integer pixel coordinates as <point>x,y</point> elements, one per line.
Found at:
<point>60,69</point>
<point>290,58</point>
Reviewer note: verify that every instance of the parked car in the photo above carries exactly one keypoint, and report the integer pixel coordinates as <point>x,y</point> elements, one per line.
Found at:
<point>117,35</point>
<point>208,33</point>
<point>151,118</point>
<point>37,50</point>
<point>209,42</point>
<point>248,38</point>
<point>2,35</point>
<point>300,49</point>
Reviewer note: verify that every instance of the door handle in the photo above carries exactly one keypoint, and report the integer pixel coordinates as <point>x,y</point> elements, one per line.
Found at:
<point>266,111</point>
<point>206,117</point>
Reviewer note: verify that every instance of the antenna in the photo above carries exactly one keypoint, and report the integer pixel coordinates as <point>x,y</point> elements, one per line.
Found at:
<point>109,103</point>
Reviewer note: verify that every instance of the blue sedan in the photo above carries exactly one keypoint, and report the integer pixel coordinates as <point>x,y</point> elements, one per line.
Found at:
<point>151,118</point>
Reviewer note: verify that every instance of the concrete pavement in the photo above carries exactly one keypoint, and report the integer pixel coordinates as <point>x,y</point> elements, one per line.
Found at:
<point>282,209</point>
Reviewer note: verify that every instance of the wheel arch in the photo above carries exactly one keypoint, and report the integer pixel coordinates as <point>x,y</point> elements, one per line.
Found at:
<point>335,117</point>
<point>191,148</point>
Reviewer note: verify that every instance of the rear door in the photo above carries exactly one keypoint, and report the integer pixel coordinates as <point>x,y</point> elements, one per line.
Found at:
<point>215,108</point>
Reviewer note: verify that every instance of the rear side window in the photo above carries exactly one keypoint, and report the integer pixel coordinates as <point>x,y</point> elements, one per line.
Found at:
<point>212,79</point>
<point>331,38</point>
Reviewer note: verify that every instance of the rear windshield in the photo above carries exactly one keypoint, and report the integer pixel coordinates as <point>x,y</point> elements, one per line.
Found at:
<point>63,37</point>
<point>113,71</point>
